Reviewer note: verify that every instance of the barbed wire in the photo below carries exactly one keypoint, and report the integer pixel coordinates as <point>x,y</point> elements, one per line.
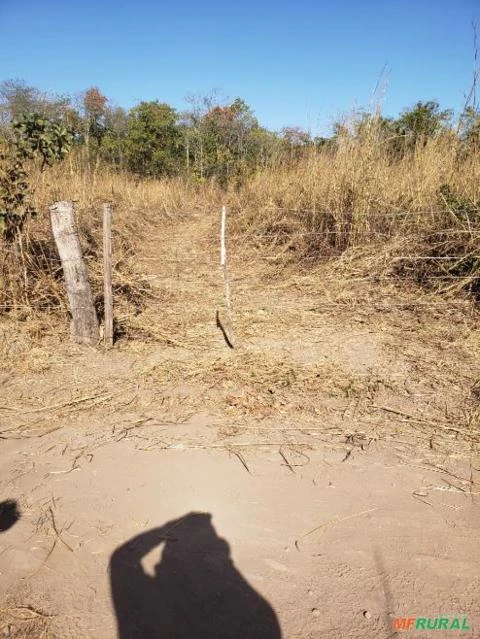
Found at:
<point>397,278</point>
<point>376,305</point>
<point>42,257</point>
<point>194,261</point>
<point>392,235</point>
<point>400,213</point>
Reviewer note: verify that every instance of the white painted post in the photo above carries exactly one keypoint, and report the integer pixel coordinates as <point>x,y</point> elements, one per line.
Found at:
<point>223,249</point>
<point>223,264</point>
<point>107,275</point>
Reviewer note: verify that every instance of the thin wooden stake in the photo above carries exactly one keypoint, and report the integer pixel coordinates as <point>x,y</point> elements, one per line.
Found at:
<point>84,319</point>
<point>107,275</point>
<point>223,264</point>
<point>223,248</point>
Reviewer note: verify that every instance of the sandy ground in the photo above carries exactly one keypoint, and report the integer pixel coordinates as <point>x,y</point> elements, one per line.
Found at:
<point>319,480</point>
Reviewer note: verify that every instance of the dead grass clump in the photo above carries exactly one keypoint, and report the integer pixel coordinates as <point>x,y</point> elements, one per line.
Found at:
<point>25,351</point>
<point>255,382</point>
<point>359,197</point>
<point>25,621</point>
<point>31,277</point>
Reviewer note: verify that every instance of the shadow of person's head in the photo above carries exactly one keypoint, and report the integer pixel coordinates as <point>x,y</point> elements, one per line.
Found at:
<point>9,514</point>
<point>194,590</point>
<point>193,536</point>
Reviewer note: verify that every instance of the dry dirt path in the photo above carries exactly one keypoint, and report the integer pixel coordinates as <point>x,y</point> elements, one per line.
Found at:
<point>309,483</point>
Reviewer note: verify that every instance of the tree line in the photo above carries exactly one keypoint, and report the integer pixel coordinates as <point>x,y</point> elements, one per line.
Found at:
<point>209,140</point>
<point>152,139</point>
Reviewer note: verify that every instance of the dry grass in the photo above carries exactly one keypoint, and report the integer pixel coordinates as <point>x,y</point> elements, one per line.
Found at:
<point>24,621</point>
<point>371,215</point>
<point>381,215</point>
<point>30,271</point>
<point>359,188</point>
<point>357,208</point>
<point>139,199</point>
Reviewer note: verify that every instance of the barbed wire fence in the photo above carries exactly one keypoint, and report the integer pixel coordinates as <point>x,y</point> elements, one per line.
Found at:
<point>271,246</point>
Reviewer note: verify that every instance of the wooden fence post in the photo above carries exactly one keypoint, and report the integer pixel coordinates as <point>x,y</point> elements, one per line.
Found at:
<point>84,319</point>
<point>107,275</point>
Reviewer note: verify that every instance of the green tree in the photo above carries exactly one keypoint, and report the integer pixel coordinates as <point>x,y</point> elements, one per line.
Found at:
<point>224,141</point>
<point>153,144</point>
<point>423,121</point>
<point>35,137</point>
<point>113,141</point>
<point>94,105</point>
<point>265,149</point>
<point>469,128</point>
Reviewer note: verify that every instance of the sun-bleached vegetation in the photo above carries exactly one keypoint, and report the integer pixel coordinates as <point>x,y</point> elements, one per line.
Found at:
<point>379,194</point>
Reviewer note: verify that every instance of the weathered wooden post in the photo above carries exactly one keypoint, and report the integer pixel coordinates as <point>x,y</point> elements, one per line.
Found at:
<point>84,319</point>
<point>107,275</point>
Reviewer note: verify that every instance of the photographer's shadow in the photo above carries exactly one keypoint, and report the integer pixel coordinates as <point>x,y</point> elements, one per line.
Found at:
<point>9,514</point>
<point>196,591</point>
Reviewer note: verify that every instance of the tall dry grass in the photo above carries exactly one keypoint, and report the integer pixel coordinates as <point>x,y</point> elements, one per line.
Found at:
<point>359,199</point>
<point>147,199</point>
<point>355,199</point>
<point>30,269</point>
<point>360,187</point>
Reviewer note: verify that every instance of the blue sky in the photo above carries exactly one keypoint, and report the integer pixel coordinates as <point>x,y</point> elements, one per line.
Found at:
<point>296,63</point>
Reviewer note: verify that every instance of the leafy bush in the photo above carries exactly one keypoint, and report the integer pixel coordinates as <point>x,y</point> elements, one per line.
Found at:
<point>35,137</point>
